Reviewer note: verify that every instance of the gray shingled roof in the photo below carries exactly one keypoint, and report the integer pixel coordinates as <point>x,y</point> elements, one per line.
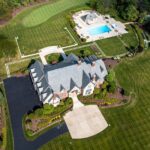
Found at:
<point>68,73</point>
<point>69,69</point>
<point>38,69</point>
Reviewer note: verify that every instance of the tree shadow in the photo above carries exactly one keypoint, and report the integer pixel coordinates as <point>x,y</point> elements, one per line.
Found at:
<point>31,63</point>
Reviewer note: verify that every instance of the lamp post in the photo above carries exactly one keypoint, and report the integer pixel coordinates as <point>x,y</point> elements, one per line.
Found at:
<point>16,39</point>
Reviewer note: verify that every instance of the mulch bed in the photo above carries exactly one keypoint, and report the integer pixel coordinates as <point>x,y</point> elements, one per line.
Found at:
<point>110,63</point>
<point>117,95</point>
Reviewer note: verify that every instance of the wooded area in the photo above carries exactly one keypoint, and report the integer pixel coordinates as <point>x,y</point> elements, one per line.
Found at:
<point>6,6</point>
<point>129,10</point>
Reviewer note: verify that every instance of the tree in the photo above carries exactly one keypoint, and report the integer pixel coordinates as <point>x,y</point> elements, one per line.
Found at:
<point>129,13</point>
<point>39,112</point>
<point>142,16</point>
<point>112,87</point>
<point>48,109</point>
<point>111,76</point>
<point>147,26</point>
<point>93,4</point>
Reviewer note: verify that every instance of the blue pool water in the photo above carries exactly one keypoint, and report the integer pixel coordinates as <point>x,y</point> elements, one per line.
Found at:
<point>99,30</point>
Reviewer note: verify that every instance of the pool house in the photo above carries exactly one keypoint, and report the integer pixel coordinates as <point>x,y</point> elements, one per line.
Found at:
<point>92,26</point>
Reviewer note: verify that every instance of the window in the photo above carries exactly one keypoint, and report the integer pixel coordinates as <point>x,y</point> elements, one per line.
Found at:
<point>88,91</point>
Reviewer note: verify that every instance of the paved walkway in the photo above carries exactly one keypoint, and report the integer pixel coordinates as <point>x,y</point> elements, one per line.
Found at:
<point>50,50</point>
<point>84,121</point>
<point>76,103</point>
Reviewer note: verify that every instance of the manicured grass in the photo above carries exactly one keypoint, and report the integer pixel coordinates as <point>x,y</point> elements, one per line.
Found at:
<point>130,127</point>
<point>82,52</point>
<point>19,68</point>
<point>54,58</point>
<point>8,142</point>
<point>51,32</point>
<point>114,46</point>
<point>22,66</point>
<point>2,69</point>
<point>45,12</point>
<point>130,39</point>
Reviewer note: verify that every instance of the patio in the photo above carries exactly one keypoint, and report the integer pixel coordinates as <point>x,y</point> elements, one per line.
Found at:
<point>88,19</point>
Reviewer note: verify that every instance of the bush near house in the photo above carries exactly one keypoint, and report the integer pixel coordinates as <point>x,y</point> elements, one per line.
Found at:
<point>110,78</point>
<point>43,117</point>
<point>54,58</point>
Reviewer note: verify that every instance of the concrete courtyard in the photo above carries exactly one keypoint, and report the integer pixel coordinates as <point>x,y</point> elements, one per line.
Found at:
<point>84,121</point>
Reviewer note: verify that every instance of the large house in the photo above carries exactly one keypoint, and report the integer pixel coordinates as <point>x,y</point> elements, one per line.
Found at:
<point>73,74</point>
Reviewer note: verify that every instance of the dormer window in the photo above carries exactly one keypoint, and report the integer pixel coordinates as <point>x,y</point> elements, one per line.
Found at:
<point>34,74</point>
<point>33,70</point>
<point>35,79</point>
<point>44,95</point>
<point>41,89</point>
<point>101,68</point>
<point>39,84</point>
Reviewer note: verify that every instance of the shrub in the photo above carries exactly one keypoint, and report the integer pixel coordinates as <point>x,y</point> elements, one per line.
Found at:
<point>112,87</point>
<point>29,132</point>
<point>71,21</point>
<point>39,112</point>
<point>104,85</point>
<point>28,122</point>
<point>31,116</point>
<point>83,39</point>
<point>111,76</point>
<point>96,91</point>
<point>48,109</point>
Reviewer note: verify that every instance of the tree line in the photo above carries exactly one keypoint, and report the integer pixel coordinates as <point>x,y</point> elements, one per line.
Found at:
<point>6,6</point>
<point>129,10</point>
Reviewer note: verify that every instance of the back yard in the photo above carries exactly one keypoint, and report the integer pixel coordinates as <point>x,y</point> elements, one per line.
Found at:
<point>119,45</point>
<point>49,31</point>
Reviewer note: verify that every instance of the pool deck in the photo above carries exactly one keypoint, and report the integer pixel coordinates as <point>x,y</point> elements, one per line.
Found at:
<point>82,26</point>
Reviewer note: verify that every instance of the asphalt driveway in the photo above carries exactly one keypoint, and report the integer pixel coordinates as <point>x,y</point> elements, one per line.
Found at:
<point>22,98</point>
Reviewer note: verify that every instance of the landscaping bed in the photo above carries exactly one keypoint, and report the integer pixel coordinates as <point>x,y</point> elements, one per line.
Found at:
<point>44,117</point>
<point>54,58</point>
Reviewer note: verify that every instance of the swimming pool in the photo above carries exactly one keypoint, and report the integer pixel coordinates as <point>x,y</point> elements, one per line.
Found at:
<point>99,30</point>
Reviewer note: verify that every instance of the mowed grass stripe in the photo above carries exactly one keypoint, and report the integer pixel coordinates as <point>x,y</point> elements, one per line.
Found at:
<point>45,12</point>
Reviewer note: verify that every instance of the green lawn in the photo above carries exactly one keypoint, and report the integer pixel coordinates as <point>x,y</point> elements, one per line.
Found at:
<point>8,142</point>
<point>82,52</point>
<point>114,46</point>
<point>50,32</point>
<point>45,12</point>
<point>130,129</point>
